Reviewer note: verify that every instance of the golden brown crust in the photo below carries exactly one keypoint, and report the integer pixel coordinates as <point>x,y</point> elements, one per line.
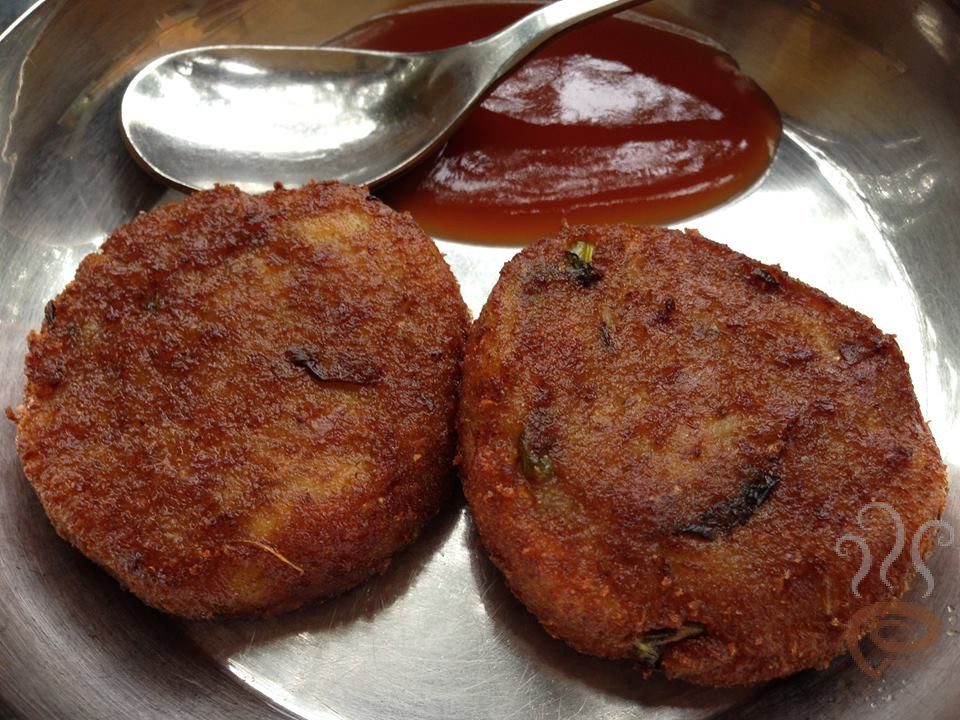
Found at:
<point>243,403</point>
<point>699,430</point>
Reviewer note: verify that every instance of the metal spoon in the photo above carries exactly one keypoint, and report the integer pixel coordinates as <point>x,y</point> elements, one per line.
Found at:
<point>253,114</point>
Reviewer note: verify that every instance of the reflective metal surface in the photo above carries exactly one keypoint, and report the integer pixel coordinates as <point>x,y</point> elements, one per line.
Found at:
<point>253,115</point>
<point>862,202</point>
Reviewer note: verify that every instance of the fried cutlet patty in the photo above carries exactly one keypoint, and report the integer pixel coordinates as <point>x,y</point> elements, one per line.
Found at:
<point>244,403</point>
<point>663,440</point>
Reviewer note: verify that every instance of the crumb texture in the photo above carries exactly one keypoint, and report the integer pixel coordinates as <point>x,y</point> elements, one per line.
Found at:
<point>243,403</point>
<point>665,439</point>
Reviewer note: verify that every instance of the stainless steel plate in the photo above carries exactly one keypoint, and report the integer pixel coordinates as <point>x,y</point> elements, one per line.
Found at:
<point>861,201</point>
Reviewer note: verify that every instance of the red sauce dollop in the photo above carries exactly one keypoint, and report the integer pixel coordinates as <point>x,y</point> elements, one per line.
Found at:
<point>614,121</point>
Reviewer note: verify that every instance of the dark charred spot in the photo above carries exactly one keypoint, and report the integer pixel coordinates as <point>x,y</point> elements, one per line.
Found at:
<point>580,265</point>
<point>608,325</point>
<point>254,226</point>
<point>535,463</point>
<point>133,563</point>
<point>184,361</point>
<point>665,568</point>
<point>898,456</point>
<point>535,443</point>
<point>706,331</point>
<point>851,352</point>
<point>665,312</point>
<point>585,275</point>
<point>605,335</point>
<point>671,374</point>
<point>153,303</point>
<point>796,357</point>
<point>342,370</point>
<point>854,352</point>
<point>213,332</point>
<point>823,405</point>
<point>649,646</point>
<point>49,312</point>
<point>541,277</point>
<point>734,512</point>
<point>764,279</point>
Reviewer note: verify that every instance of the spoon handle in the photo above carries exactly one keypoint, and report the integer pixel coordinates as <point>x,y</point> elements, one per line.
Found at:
<point>515,41</point>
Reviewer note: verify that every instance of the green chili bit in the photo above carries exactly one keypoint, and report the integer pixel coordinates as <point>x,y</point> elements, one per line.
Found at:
<point>650,645</point>
<point>580,264</point>
<point>535,467</point>
<point>731,513</point>
<point>582,251</point>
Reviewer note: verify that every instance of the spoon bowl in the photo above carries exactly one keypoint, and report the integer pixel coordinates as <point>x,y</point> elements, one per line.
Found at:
<point>254,115</point>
